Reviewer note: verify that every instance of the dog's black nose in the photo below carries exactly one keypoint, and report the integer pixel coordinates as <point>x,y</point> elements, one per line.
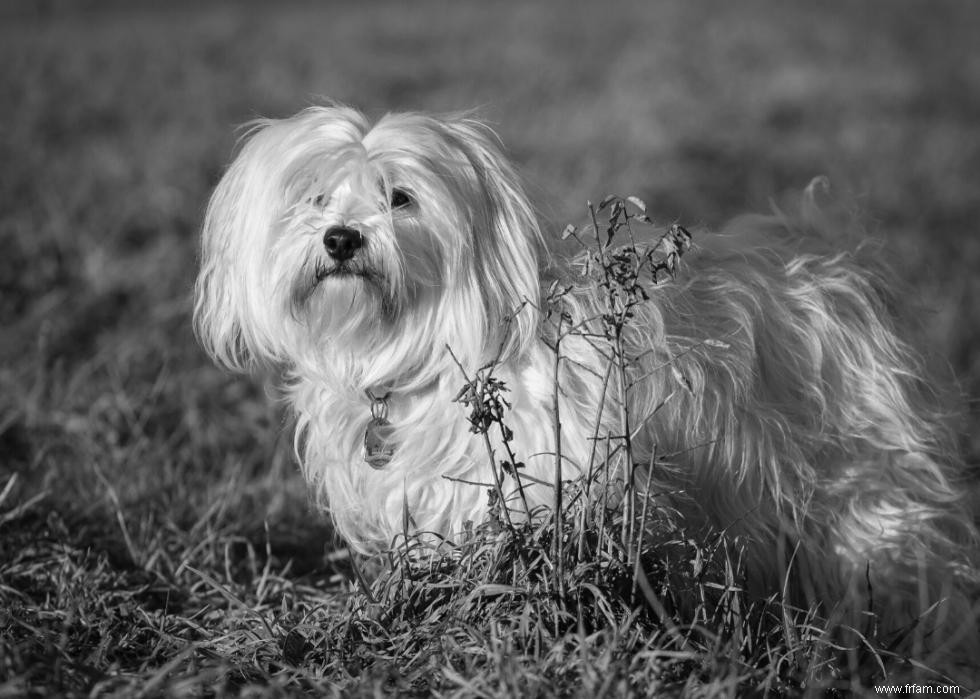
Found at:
<point>341,242</point>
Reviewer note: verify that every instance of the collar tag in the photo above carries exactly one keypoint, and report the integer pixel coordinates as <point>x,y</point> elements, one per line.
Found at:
<point>378,445</point>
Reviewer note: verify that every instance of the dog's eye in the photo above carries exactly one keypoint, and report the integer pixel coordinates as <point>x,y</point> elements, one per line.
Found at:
<point>400,199</point>
<point>318,200</point>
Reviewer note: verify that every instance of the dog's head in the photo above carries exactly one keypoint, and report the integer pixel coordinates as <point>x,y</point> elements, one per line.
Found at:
<point>330,243</point>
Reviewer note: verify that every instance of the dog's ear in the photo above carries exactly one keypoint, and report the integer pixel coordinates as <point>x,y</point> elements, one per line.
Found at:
<point>507,243</point>
<point>232,309</point>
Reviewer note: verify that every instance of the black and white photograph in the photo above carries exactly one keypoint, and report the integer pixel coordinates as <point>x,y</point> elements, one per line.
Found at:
<point>489,349</point>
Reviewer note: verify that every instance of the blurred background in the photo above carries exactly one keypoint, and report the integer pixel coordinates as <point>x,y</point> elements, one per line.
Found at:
<point>117,118</point>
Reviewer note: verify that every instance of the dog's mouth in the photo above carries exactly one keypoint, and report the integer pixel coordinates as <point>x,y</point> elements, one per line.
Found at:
<point>340,270</point>
<point>333,282</point>
<point>305,290</point>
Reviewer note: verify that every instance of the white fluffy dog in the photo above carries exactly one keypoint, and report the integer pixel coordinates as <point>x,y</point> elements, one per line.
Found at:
<point>353,257</point>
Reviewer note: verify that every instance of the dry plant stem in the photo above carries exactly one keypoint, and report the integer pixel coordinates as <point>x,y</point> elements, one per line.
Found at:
<point>512,458</point>
<point>587,490</point>
<point>497,484</point>
<point>605,490</point>
<point>598,426</point>
<point>620,286</point>
<point>620,317</point>
<point>628,494</point>
<point>637,555</point>
<point>556,417</point>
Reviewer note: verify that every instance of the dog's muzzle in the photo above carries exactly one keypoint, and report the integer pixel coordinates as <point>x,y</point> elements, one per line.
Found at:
<point>342,242</point>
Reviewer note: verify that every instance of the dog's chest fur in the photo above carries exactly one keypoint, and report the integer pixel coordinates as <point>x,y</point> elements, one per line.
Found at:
<point>440,473</point>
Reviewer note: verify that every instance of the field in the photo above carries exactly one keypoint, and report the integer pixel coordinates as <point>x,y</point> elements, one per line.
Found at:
<point>155,534</point>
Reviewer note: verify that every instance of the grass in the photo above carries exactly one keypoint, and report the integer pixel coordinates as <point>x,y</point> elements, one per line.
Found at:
<point>155,535</point>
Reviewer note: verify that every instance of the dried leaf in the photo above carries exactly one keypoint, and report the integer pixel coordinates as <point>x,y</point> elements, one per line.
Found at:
<point>682,379</point>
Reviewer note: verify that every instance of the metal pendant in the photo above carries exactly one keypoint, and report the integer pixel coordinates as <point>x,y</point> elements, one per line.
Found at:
<point>379,448</point>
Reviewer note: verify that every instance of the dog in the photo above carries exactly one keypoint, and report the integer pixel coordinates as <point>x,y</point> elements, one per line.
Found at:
<point>376,266</point>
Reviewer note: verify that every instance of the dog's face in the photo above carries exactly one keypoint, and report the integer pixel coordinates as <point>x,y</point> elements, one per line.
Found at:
<point>329,240</point>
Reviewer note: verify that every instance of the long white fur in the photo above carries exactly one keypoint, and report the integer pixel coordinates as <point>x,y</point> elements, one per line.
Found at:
<point>796,416</point>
